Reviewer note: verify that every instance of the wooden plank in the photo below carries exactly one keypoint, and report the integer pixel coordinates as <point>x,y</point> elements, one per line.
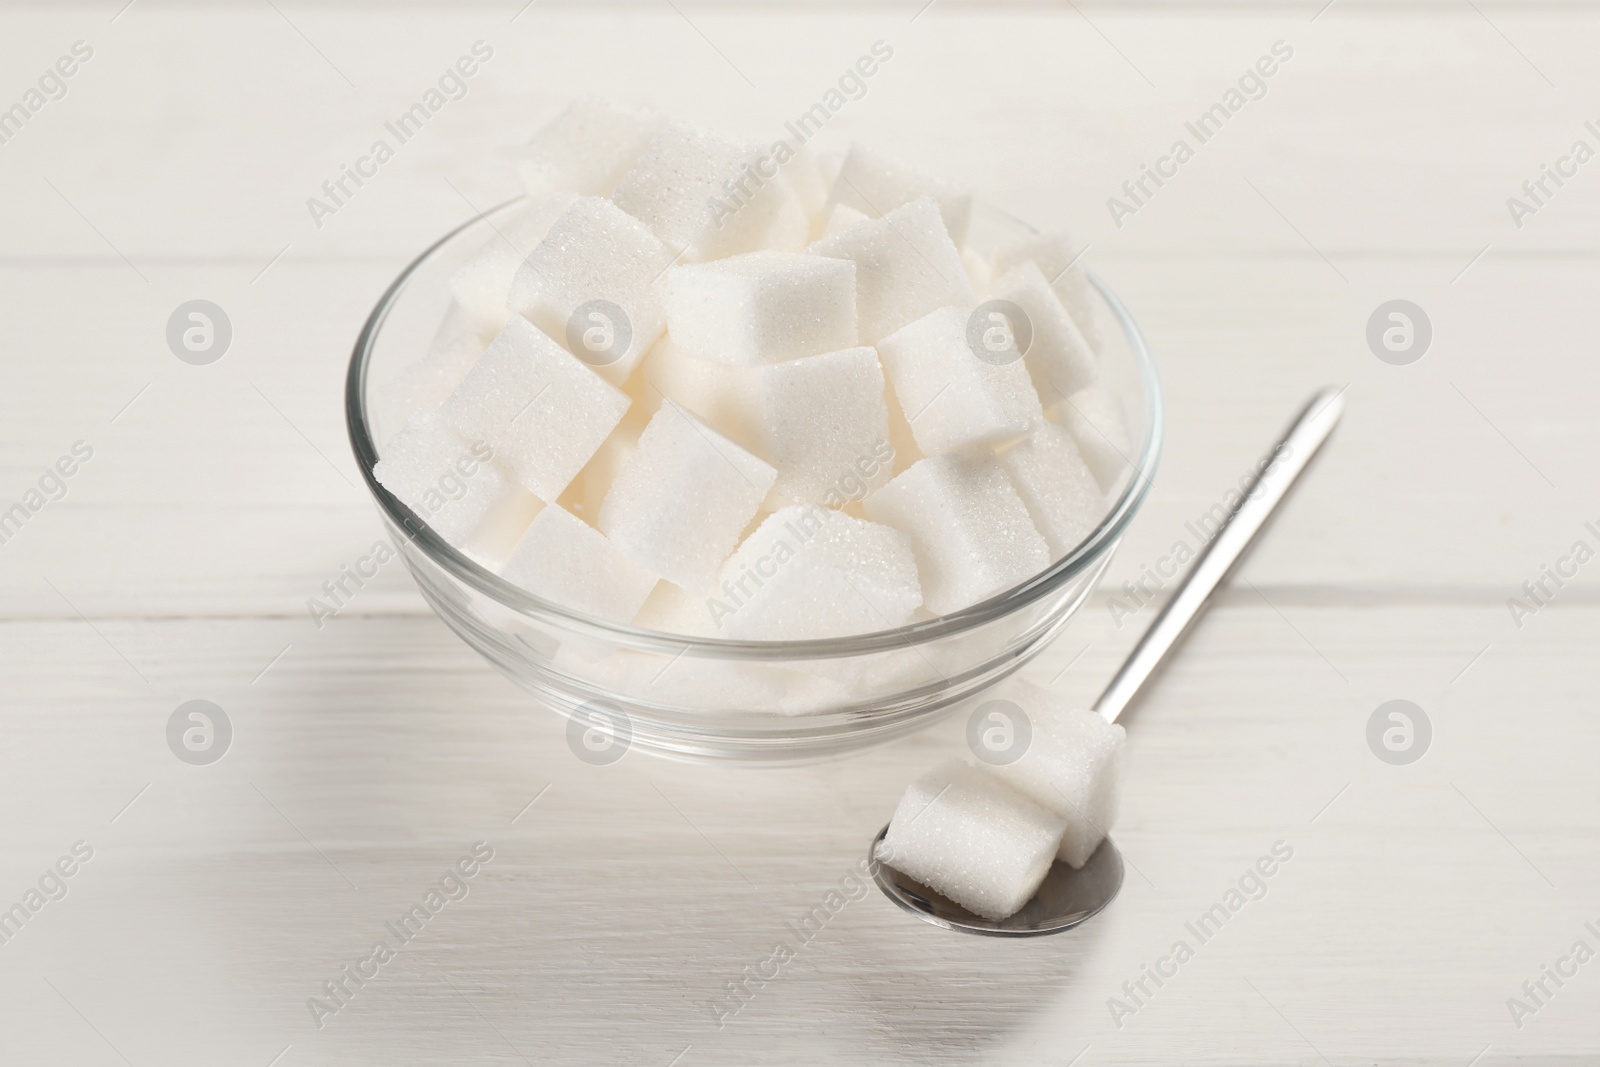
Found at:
<point>1044,111</point>
<point>609,916</point>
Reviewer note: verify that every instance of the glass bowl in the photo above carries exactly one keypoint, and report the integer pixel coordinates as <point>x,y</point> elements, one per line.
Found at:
<point>721,699</point>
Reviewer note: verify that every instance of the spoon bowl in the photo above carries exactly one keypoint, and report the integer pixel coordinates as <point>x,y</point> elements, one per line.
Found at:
<point>1067,897</point>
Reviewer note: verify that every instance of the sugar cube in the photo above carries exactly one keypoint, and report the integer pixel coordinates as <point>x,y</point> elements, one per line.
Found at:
<point>563,559</point>
<point>1059,357</point>
<point>830,163</point>
<point>810,185</point>
<point>424,385</point>
<point>980,271</point>
<point>808,572</point>
<point>972,838</point>
<point>586,149</point>
<point>725,397</point>
<point>810,692</point>
<point>875,184</point>
<point>971,532</point>
<point>901,440</point>
<point>452,483</point>
<point>483,283</point>
<point>596,260</point>
<point>825,426</point>
<point>537,405</point>
<point>762,307</point>
<point>672,609</point>
<point>906,266</point>
<point>791,228</point>
<point>683,497</point>
<point>840,218</point>
<point>1072,767</point>
<point>1055,484</point>
<point>1095,419</point>
<point>950,396</point>
<point>1059,262</point>
<point>705,194</point>
<point>587,490</point>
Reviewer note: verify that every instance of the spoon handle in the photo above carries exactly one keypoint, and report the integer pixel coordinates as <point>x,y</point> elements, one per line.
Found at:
<point>1293,450</point>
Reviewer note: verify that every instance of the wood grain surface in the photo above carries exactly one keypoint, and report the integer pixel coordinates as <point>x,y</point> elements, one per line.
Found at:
<point>369,755</point>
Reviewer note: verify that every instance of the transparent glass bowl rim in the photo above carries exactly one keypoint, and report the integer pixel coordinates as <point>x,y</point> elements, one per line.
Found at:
<point>466,570</point>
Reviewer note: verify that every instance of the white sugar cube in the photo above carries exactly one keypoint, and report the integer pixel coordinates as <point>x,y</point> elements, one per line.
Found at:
<point>840,218</point>
<point>452,483</point>
<point>424,385</point>
<point>809,693</point>
<point>980,271</point>
<point>586,149</point>
<point>542,410</point>
<point>672,609</point>
<point>1063,269</point>
<point>791,228</point>
<point>683,497</point>
<point>950,396</point>
<point>875,184</point>
<point>830,163</point>
<point>901,440</point>
<point>810,184</point>
<point>906,266</point>
<point>825,426</point>
<point>1055,484</point>
<point>724,397</point>
<point>596,260</point>
<point>972,838</point>
<point>1072,766</point>
<point>1095,419</point>
<point>1059,357</point>
<point>809,572</point>
<point>971,532</point>
<point>584,495</point>
<point>563,559</point>
<point>483,283</point>
<point>762,307</point>
<point>705,194</point>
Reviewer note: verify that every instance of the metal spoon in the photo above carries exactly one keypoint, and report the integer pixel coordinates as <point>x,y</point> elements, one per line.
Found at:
<point>1068,897</point>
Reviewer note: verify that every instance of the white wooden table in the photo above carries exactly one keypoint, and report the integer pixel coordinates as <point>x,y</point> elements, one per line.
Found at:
<point>368,756</point>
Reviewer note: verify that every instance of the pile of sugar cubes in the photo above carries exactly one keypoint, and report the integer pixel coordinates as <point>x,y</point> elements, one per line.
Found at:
<point>985,837</point>
<point>717,388</point>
